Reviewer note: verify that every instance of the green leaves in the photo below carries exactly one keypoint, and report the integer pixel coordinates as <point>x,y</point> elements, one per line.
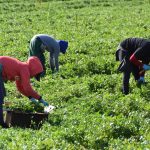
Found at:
<point>26,106</point>
<point>91,113</point>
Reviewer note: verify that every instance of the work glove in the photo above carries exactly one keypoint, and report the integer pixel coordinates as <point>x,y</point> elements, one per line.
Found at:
<point>146,67</point>
<point>43,102</point>
<point>140,81</point>
<point>33,100</point>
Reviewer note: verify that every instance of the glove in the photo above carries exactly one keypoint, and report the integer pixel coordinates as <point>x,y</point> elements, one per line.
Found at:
<point>146,67</point>
<point>43,102</point>
<point>141,80</point>
<point>33,100</point>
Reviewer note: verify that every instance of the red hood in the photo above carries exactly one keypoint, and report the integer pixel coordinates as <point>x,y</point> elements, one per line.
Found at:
<point>35,66</point>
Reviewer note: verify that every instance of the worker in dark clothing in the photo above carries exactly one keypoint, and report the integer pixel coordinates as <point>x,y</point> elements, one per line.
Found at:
<point>134,55</point>
<point>41,42</point>
<point>2,95</point>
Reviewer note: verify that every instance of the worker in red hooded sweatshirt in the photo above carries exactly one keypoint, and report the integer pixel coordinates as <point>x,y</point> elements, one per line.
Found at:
<point>14,70</point>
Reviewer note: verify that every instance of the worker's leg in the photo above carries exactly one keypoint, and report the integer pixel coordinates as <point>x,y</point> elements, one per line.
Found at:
<point>2,95</point>
<point>35,49</point>
<point>125,69</point>
<point>1,100</point>
<point>1,115</point>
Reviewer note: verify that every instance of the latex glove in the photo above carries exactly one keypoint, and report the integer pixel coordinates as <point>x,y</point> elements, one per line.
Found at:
<point>141,80</point>
<point>33,100</point>
<point>43,102</point>
<point>146,67</point>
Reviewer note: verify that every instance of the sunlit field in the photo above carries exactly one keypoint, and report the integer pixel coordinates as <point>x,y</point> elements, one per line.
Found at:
<point>91,112</point>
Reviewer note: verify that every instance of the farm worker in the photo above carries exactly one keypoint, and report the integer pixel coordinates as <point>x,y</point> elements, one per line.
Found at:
<point>14,70</point>
<point>41,42</point>
<point>134,55</point>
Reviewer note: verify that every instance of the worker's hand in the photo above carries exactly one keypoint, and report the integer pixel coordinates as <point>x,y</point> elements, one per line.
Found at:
<point>141,80</point>
<point>146,67</point>
<point>43,102</point>
<point>33,100</point>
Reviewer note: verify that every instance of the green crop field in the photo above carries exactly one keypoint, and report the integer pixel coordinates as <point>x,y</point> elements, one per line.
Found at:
<point>91,113</point>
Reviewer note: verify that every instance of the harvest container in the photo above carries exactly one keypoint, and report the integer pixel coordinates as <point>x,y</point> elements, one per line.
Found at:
<point>25,120</point>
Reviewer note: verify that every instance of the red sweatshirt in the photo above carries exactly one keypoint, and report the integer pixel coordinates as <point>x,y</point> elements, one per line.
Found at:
<point>21,72</point>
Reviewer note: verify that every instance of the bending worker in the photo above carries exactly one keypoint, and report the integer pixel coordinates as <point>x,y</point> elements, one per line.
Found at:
<point>41,42</point>
<point>134,55</point>
<point>14,70</point>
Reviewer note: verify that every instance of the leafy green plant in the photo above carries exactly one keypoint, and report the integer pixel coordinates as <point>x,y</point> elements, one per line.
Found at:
<point>28,107</point>
<point>91,113</point>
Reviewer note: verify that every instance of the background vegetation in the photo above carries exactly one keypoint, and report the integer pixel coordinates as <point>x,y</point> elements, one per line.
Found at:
<point>91,111</point>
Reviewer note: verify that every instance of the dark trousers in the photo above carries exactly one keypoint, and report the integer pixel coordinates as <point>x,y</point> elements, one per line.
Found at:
<point>130,68</point>
<point>35,50</point>
<point>2,95</point>
<point>1,115</point>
